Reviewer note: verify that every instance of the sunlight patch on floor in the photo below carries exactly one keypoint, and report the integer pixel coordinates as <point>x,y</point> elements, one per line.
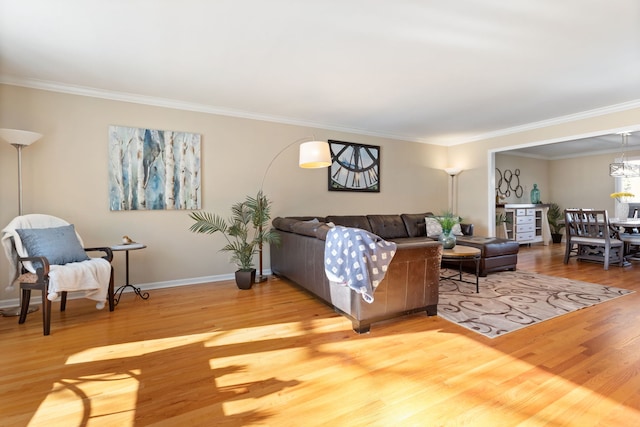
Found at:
<point>78,400</point>
<point>137,348</point>
<point>269,332</point>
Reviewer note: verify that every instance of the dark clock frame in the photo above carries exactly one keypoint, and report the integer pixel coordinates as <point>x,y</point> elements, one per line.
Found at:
<point>364,176</point>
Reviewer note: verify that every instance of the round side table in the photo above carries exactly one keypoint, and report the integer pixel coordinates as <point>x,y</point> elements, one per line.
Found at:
<point>128,247</point>
<point>460,254</point>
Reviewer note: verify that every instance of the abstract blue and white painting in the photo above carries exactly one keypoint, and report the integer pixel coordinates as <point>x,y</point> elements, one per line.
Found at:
<point>153,169</point>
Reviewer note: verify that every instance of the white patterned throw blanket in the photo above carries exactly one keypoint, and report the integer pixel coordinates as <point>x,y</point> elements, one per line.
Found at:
<point>91,276</point>
<point>357,258</point>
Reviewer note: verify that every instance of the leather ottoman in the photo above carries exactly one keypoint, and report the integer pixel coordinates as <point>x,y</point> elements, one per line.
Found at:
<point>496,254</point>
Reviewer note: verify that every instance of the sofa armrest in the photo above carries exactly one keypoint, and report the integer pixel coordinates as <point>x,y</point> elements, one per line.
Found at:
<point>467,229</point>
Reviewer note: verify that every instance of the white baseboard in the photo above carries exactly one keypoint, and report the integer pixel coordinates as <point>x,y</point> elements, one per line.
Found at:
<point>37,298</point>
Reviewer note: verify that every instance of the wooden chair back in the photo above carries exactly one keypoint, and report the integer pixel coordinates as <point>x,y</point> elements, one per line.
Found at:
<point>590,237</point>
<point>587,223</point>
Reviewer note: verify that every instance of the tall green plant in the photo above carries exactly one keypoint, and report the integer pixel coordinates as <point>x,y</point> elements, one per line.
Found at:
<point>555,215</point>
<point>260,207</point>
<point>244,231</point>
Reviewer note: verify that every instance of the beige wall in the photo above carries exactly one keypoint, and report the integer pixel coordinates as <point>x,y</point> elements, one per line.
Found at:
<point>66,174</point>
<point>583,182</point>
<point>475,195</point>
<point>531,171</point>
<point>579,182</point>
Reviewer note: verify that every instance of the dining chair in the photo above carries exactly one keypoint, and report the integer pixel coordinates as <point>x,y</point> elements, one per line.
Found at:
<point>590,237</point>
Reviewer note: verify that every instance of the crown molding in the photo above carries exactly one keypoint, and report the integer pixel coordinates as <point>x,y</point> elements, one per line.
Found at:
<point>187,106</point>
<point>617,108</point>
<point>209,109</point>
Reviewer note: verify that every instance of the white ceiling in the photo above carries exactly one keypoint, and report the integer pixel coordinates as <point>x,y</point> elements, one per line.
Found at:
<point>419,70</point>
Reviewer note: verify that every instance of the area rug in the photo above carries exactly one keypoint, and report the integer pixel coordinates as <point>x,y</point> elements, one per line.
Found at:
<point>513,300</point>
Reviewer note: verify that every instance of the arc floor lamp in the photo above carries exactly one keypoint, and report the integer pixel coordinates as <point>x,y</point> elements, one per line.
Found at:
<point>312,155</point>
<point>19,139</point>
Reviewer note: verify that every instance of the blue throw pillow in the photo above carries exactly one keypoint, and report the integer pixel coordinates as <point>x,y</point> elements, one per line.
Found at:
<point>59,245</point>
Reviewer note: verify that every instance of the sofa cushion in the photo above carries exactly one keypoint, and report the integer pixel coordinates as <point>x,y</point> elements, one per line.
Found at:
<point>435,229</point>
<point>284,224</point>
<point>355,221</point>
<point>308,218</point>
<point>387,226</point>
<point>306,228</point>
<point>415,224</point>
<point>322,230</point>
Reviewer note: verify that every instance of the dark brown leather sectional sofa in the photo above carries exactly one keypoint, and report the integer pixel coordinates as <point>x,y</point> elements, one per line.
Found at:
<point>411,283</point>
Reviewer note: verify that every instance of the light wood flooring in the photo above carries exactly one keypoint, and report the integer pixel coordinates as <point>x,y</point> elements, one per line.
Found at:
<point>210,354</point>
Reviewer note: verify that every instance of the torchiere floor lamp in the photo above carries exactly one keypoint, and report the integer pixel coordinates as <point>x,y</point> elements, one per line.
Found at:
<point>452,172</point>
<point>19,139</point>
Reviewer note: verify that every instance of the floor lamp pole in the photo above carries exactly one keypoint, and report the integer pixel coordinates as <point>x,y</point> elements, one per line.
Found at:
<point>19,139</point>
<point>452,172</point>
<point>453,177</point>
<point>19,148</point>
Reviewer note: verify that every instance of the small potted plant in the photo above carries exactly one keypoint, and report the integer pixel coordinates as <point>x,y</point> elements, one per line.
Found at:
<point>555,218</point>
<point>244,232</point>
<point>502,219</point>
<point>447,221</point>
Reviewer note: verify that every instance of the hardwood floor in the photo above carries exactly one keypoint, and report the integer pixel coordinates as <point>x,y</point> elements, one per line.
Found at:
<point>213,355</point>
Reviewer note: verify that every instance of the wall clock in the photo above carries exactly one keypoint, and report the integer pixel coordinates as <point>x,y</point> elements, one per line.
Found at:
<point>354,167</point>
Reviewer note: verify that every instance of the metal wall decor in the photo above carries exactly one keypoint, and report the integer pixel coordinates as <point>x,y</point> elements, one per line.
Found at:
<point>354,167</point>
<point>508,181</point>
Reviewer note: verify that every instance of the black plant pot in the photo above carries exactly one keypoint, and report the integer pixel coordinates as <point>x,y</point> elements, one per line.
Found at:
<point>556,237</point>
<point>245,278</point>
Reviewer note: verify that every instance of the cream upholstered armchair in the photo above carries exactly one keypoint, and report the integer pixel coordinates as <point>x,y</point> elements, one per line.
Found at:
<point>46,253</point>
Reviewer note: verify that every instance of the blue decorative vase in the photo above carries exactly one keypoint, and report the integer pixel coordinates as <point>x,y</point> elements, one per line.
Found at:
<point>448,239</point>
<point>535,195</point>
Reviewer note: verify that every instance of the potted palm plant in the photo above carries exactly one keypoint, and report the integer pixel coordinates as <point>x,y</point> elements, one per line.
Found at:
<point>245,231</point>
<point>554,217</point>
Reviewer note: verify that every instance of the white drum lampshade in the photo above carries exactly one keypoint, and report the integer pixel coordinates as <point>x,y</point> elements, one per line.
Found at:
<point>314,154</point>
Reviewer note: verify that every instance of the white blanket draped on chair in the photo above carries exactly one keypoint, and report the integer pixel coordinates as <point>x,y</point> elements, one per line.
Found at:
<point>91,276</point>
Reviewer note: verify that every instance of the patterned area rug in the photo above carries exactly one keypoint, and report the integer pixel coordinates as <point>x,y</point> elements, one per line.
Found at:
<point>513,300</point>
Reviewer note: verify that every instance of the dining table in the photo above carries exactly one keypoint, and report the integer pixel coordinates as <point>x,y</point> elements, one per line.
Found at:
<point>630,236</point>
<point>630,225</point>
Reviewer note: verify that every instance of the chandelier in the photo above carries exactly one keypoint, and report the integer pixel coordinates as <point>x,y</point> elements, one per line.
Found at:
<point>622,168</point>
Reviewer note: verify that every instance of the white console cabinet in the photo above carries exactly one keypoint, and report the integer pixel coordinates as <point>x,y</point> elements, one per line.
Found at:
<point>526,223</point>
